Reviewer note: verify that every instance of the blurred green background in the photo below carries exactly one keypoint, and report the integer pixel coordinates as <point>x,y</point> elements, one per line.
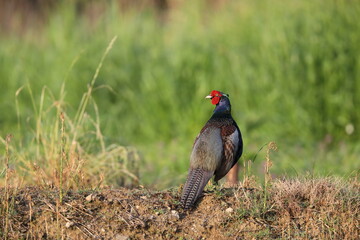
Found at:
<point>291,68</point>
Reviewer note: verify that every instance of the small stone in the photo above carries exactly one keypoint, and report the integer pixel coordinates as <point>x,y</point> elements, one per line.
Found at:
<point>175,214</point>
<point>90,197</point>
<point>229,210</point>
<point>102,230</point>
<point>69,224</point>
<point>121,237</point>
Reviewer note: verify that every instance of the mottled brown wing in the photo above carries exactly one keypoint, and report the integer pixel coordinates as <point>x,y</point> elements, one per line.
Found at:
<point>230,136</point>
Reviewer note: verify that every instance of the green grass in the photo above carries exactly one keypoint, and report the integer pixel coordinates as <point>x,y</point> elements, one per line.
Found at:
<point>292,70</point>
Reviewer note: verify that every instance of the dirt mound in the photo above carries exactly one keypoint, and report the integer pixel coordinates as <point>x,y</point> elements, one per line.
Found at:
<point>316,209</point>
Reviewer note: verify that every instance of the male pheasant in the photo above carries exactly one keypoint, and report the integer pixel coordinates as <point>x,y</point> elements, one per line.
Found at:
<point>215,151</point>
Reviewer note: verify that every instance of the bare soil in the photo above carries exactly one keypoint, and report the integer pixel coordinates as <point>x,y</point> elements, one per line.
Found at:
<point>291,209</point>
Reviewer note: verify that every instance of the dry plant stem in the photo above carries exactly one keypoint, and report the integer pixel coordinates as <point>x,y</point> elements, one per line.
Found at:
<point>18,91</point>
<point>62,156</point>
<point>86,97</point>
<point>247,172</point>
<point>7,188</point>
<point>268,164</point>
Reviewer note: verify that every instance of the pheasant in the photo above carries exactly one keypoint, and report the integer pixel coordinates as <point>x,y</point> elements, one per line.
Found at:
<point>215,151</point>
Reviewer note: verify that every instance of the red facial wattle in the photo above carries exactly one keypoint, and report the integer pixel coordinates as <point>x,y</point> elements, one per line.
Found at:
<point>216,96</point>
<point>215,100</point>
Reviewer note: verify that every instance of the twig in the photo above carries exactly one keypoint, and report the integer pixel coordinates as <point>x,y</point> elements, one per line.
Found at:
<point>87,232</point>
<point>79,210</point>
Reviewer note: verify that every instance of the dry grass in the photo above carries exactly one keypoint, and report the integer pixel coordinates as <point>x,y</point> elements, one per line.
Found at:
<point>325,208</point>
<point>63,153</point>
<point>301,208</point>
<point>304,208</point>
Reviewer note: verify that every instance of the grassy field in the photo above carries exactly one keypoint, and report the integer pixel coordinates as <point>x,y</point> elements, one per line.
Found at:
<point>131,87</point>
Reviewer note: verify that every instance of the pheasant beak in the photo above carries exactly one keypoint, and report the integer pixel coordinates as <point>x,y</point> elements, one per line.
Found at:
<point>209,96</point>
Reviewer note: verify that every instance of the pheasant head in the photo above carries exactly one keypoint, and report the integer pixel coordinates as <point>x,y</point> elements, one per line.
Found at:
<point>221,100</point>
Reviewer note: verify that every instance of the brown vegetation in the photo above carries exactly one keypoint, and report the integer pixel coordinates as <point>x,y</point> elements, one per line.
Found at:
<point>17,16</point>
<point>325,208</point>
<point>20,15</point>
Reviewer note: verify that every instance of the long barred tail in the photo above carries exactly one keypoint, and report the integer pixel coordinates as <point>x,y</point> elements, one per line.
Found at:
<point>195,184</point>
